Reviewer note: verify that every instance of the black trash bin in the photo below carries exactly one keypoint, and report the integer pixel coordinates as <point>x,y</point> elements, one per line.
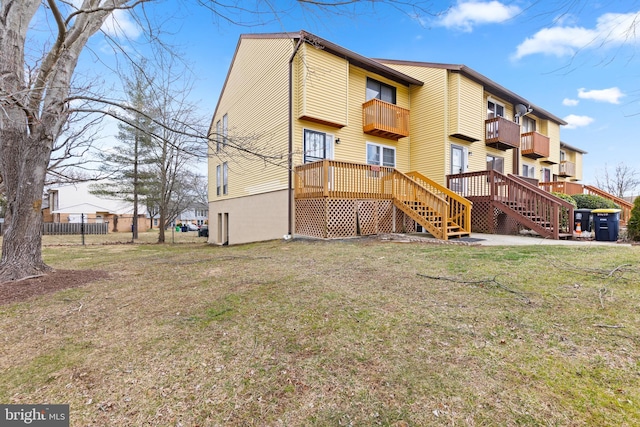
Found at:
<point>582,217</point>
<point>606,224</point>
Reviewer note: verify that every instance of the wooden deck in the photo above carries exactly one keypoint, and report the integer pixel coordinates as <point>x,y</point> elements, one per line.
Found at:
<point>443,213</point>
<point>505,203</point>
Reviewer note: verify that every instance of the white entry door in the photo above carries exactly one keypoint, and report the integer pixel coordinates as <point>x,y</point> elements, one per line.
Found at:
<point>458,166</point>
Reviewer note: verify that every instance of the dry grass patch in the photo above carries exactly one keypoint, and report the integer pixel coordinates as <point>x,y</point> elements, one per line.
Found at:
<point>333,333</point>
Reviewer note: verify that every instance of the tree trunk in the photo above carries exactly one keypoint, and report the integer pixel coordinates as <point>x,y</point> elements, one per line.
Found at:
<point>23,163</point>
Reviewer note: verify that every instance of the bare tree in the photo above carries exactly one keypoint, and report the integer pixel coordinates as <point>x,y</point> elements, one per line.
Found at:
<point>172,148</point>
<point>37,98</point>
<point>622,181</point>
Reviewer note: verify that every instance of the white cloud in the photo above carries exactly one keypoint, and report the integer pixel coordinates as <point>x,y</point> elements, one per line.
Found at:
<point>466,15</point>
<point>570,102</point>
<point>612,29</point>
<point>120,24</point>
<point>575,121</point>
<point>611,95</point>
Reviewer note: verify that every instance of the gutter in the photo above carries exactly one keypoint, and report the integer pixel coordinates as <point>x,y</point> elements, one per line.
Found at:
<point>290,153</point>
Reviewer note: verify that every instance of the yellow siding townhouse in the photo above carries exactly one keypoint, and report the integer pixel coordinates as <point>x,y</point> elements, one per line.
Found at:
<point>309,138</point>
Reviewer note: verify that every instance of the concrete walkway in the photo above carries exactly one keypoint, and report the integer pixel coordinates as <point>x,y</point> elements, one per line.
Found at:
<point>480,239</point>
<point>501,240</point>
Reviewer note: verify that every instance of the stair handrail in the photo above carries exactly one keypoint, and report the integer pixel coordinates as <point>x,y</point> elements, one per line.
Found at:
<point>625,206</point>
<point>419,193</point>
<point>454,213</point>
<point>553,199</point>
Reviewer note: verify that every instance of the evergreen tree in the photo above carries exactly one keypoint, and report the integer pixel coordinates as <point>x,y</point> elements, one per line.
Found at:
<point>128,164</point>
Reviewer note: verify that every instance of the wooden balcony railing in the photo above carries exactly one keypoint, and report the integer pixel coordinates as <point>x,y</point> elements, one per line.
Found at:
<point>502,134</point>
<point>383,119</point>
<point>567,168</point>
<point>534,145</point>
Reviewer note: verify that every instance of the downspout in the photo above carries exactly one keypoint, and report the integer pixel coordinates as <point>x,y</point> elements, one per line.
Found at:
<point>290,153</point>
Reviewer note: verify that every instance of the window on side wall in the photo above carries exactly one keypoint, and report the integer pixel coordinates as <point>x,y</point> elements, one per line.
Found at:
<point>495,163</point>
<point>218,180</point>
<point>225,129</point>
<point>218,135</point>
<point>381,91</point>
<point>225,179</point>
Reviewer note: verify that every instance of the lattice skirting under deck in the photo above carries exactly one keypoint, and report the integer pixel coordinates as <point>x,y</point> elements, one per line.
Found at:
<point>338,218</point>
<point>486,218</point>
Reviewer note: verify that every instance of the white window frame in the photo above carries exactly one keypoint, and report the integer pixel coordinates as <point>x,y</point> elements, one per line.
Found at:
<point>218,180</point>
<point>496,104</point>
<point>225,179</point>
<point>225,129</point>
<point>525,122</point>
<point>381,154</point>
<point>218,135</point>
<point>531,170</point>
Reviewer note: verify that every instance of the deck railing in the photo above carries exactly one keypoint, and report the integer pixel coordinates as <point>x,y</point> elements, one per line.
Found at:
<point>530,205</point>
<point>502,133</point>
<point>567,168</point>
<point>432,205</point>
<point>459,207</point>
<point>534,145</point>
<point>572,188</point>
<point>385,119</point>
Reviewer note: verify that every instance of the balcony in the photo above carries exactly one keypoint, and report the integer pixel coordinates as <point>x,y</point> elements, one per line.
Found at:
<point>502,134</point>
<point>386,120</point>
<point>534,145</point>
<point>567,168</point>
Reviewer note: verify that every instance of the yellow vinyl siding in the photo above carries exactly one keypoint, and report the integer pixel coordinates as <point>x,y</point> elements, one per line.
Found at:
<point>353,140</point>
<point>428,136</point>
<point>322,79</point>
<point>466,111</point>
<point>255,100</point>
<point>553,132</point>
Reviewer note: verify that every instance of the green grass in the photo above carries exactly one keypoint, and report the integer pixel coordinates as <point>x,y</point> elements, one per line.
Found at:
<point>333,333</point>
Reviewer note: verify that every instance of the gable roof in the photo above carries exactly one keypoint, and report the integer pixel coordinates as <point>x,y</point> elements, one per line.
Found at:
<point>339,51</point>
<point>572,148</point>
<point>493,87</point>
<point>378,66</point>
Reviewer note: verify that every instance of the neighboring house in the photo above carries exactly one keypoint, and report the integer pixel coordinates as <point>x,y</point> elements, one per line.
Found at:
<point>198,215</point>
<point>73,203</point>
<point>375,146</point>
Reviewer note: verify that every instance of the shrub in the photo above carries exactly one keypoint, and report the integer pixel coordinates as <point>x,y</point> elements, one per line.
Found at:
<point>564,218</point>
<point>633,226</point>
<point>588,201</point>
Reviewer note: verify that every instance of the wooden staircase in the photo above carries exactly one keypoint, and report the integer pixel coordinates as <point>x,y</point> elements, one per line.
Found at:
<point>440,211</point>
<point>524,203</point>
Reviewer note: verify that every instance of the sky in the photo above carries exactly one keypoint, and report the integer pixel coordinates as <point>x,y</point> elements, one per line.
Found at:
<point>577,60</point>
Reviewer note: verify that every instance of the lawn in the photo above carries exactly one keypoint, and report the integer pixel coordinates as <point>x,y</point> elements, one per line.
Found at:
<point>357,332</point>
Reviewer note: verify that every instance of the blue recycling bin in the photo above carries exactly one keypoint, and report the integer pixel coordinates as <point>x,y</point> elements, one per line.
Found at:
<point>606,224</point>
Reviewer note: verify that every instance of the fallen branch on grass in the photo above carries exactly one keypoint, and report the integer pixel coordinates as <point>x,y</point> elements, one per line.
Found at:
<point>481,282</point>
<point>597,325</point>
<point>597,271</point>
